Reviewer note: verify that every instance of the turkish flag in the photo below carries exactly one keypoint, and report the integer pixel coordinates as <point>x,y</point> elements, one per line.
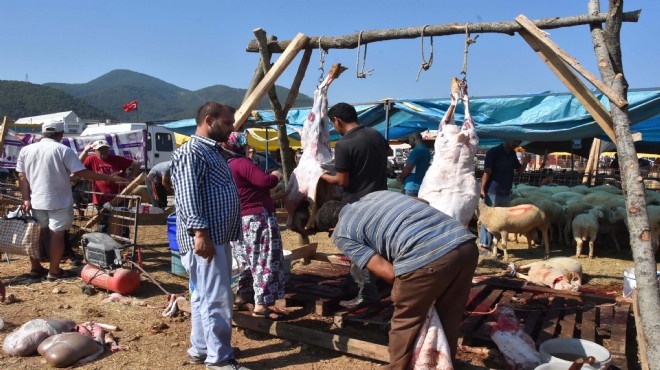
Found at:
<point>131,106</point>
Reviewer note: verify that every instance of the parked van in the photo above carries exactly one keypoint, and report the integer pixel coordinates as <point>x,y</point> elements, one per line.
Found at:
<point>160,142</point>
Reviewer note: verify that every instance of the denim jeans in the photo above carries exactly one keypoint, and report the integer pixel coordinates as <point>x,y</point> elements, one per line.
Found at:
<point>411,193</point>
<point>492,200</point>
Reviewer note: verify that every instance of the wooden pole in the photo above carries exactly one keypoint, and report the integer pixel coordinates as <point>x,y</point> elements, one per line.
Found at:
<point>543,38</point>
<point>509,28</point>
<point>3,132</point>
<point>298,43</point>
<point>574,84</point>
<point>314,337</point>
<point>587,170</point>
<point>594,165</point>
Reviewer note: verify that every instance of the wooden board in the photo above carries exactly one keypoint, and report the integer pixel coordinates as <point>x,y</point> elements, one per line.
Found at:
<point>3,132</point>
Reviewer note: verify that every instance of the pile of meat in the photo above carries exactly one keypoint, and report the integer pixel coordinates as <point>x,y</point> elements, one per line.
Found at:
<point>305,193</point>
<point>449,184</point>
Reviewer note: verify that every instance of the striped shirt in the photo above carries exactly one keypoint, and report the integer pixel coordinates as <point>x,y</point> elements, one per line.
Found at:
<point>205,194</point>
<point>406,232</point>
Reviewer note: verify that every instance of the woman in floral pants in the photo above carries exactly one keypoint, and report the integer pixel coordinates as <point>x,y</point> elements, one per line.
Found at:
<point>259,254</point>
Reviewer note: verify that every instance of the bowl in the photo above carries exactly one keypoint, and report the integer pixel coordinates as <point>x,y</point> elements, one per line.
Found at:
<point>567,350</point>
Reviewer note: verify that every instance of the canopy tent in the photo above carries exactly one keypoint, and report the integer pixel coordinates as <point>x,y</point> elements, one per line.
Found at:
<point>258,137</point>
<point>544,117</point>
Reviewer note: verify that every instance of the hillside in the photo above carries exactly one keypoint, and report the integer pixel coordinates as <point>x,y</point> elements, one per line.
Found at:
<point>157,99</point>
<point>23,99</point>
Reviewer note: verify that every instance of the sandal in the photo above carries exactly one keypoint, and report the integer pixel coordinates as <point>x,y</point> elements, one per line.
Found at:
<point>270,314</point>
<point>64,274</point>
<point>38,274</point>
<point>241,303</point>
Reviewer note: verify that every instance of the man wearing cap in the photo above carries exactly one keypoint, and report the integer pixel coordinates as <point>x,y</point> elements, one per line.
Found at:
<point>43,170</point>
<point>102,161</point>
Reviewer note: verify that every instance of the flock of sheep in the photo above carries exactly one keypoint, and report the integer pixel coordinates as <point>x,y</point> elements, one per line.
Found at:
<point>565,215</point>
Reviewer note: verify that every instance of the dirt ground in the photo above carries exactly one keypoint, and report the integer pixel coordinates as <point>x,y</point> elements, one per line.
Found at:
<point>147,348</point>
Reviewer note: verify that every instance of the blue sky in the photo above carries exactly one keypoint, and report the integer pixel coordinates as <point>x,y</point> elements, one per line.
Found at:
<point>194,44</point>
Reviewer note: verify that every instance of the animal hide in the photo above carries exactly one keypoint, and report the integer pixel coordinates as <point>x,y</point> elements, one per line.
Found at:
<point>431,350</point>
<point>25,340</point>
<point>449,184</point>
<point>517,346</point>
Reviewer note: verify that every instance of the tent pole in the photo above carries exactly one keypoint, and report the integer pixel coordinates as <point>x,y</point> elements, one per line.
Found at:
<point>387,119</point>
<point>590,161</point>
<point>594,165</point>
<point>266,127</point>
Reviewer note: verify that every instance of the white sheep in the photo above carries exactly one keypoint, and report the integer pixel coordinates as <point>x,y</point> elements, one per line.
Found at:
<point>585,227</point>
<point>617,214</point>
<point>523,219</point>
<point>554,212</point>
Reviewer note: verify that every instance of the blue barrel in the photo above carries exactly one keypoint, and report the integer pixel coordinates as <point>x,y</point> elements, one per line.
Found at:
<point>171,232</point>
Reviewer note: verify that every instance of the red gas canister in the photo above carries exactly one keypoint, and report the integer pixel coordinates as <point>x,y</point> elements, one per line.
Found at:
<point>122,281</point>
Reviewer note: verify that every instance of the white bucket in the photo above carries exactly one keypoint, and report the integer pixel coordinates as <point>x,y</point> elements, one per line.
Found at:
<point>287,262</point>
<point>552,366</point>
<point>629,282</point>
<point>578,347</point>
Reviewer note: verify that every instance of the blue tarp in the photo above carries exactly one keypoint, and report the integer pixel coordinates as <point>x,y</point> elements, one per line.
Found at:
<point>546,116</point>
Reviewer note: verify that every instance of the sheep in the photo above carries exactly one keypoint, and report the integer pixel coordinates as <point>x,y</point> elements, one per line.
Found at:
<point>585,226</point>
<point>523,219</point>
<point>553,211</point>
<point>566,197</point>
<point>554,189</point>
<point>561,273</point>
<point>587,202</point>
<point>619,213</point>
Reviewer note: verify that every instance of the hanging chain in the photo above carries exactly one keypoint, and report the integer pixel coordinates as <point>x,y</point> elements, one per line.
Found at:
<point>468,42</point>
<point>322,53</point>
<point>425,65</point>
<point>361,74</point>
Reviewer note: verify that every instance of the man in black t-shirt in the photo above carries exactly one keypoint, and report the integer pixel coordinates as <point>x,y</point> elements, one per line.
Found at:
<point>361,165</point>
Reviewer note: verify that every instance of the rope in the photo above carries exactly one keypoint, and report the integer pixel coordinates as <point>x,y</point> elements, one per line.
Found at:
<point>468,42</point>
<point>361,74</point>
<point>425,65</point>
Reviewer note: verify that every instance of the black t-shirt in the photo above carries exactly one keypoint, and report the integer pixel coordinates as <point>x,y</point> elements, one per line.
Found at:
<point>362,152</point>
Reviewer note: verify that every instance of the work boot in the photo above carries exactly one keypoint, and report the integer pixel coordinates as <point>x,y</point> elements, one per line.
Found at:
<point>227,365</point>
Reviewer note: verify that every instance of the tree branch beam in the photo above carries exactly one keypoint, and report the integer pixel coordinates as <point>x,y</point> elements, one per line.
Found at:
<point>510,28</point>
<point>545,40</point>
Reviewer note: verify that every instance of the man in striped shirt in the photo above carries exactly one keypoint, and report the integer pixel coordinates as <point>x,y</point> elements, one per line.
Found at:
<point>428,256</point>
<point>208,218</point>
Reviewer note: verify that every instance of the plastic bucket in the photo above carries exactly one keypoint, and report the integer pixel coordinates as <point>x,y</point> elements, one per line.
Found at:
<point>171,232</point>
<point>566,350</point>
<point>552,366</point>
<point>177,266</point>
<point>629,282</point>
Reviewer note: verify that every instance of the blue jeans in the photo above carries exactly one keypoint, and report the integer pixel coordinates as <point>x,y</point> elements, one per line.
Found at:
<point>492,200</point>
<point>411,193</point>
<point>211,303</point>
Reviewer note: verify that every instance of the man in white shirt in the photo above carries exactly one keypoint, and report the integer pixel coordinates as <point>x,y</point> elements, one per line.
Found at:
<point>43,170</point>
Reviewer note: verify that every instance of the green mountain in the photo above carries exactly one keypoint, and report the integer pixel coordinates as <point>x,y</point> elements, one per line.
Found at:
<point>157,99</point>
<point>23,99</point>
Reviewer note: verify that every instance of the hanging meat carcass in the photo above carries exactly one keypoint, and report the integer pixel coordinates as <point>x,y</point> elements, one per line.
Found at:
<point>305,193</point>
<point>449,184</point>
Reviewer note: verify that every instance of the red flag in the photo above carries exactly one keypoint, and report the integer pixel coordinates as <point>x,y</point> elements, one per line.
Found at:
<point>131,106</point>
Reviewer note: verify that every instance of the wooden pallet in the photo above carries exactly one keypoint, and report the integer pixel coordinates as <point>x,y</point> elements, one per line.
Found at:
<point>319,287</point>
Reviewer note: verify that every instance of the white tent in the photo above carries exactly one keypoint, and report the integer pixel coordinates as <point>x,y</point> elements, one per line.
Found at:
<point>72,123</point>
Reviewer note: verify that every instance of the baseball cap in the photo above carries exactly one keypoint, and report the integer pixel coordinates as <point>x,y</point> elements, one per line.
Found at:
<point>100,144</point>
<point>53,126</point>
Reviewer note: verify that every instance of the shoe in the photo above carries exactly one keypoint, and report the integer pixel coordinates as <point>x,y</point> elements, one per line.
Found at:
<point>196,359</point>
<point>227,365</point>
<point>356,302</point>
<point>269,314</point>
<point>485,252</point>
<point>64,274</point>
<point>38,274</point>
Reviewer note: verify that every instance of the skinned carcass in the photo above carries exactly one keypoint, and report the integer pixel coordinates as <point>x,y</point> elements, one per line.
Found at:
<point>25,340</point>
<point>449,184</point>
<point>517,346</point>
<point>561,273</point>
<point>305,192</point>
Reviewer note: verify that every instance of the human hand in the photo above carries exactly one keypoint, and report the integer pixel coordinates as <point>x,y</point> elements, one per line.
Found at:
<point>203,245</point>
<point>26,206</point>
<point>483,194</point>
<point>277,174</point>
<point>118,180</point>
<point>88,147</point>
<point>526,158</point>
<point>399,179</point>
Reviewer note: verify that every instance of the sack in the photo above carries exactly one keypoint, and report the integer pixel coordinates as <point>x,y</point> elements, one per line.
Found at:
<point>20,235</point>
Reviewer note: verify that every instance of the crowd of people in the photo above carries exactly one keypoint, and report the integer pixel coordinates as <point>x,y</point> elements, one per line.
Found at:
<point>225,212</point>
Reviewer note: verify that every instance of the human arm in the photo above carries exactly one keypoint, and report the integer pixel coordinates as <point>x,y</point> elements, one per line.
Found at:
<point>167,183</point>
<point>204,246</point>
<point>254,175</point>
<point>525,161</point>
<point>91,175</point>
<point>134,169</point>
<point>341,178</point>
<point>381,268</point>
<point>485,178</point>
<point>83,155</point>
<point>24,187</point>
<point>410,165</point>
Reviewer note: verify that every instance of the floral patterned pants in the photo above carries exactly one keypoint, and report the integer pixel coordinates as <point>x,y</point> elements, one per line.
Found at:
<point>260,258</point>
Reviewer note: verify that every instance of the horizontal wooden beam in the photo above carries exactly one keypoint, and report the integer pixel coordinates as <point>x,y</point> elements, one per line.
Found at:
<point>298,43</point>
<point>545,40</point>
<point>317,338</point>
<point>573,83</point>
<point>510,28</point>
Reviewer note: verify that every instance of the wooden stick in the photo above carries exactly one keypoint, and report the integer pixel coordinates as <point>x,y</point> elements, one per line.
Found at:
<point>574,84</point>
<point>543,38</point>
<point>298,43</point>
<point>587,170</point>
<point>314,337</point>
<point>3,132</point>
<point>297,80</point>
<point>260,35</point>
<point>510,28</point>
<point>127,190</point>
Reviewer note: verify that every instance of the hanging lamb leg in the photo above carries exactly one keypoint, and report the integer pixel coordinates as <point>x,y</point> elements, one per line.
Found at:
<point>305,193</point>
<point>449,185</point>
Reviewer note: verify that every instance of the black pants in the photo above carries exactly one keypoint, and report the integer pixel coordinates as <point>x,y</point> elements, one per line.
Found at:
<point>156,190</point>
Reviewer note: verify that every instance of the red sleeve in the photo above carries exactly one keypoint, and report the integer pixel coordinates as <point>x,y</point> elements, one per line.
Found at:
<point>254,175</point>
<point>89,163</point>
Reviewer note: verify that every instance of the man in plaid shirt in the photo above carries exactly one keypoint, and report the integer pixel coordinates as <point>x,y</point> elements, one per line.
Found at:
<point>208,218</point>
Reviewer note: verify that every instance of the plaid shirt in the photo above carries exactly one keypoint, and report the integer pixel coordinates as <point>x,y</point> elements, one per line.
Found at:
<point>205,194</point>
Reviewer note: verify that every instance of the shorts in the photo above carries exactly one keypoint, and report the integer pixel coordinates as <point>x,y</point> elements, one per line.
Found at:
<point>55,219</point>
